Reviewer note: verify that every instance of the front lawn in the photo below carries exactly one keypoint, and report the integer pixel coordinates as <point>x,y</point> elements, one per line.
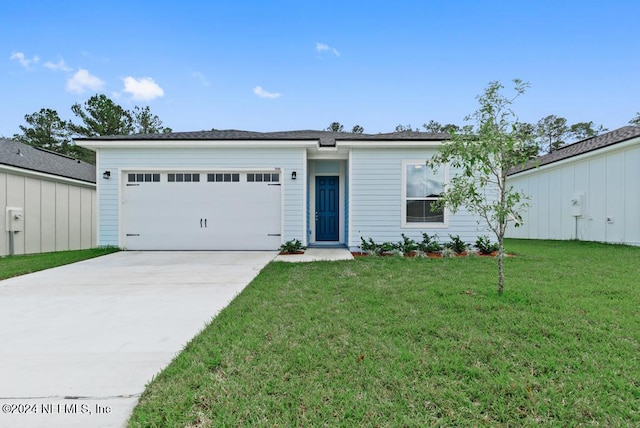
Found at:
<point>390,341</point>
<point>22,264</point>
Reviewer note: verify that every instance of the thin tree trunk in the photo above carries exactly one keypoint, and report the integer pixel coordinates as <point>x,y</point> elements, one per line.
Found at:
<point>500,265</point>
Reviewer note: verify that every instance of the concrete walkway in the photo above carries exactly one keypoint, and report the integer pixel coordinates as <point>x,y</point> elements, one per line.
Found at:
<point>79,343</point>
<point>317,254</point>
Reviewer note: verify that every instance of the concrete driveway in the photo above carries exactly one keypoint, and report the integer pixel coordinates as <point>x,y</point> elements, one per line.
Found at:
<point>79,343</point>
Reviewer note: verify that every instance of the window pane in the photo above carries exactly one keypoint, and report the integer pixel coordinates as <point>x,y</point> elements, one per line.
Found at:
<point>179,177</point>
<point>171,178</point>
<point>218,177</point>
<point>131,178</point>
<point>196,177</point>
<point>275,177</point>
<point>250,177</point>
<point>423,182</point>
<point>156,178</point>
<point>267,177</point>
<point>187,177</point>
<point>420,212</point>
<point>258,177</point>
<point>210,177</point>
<point>227,177</point>
<point>235,177</point>
<point>140,178</point>
<point>147,177</point>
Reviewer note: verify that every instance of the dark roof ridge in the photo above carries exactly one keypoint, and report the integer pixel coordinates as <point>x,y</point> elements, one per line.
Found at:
<point>587,145</point>
<point>23,156</point>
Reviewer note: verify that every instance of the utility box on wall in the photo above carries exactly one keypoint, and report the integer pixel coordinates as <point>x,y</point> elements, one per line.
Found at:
<point>15,219</point>
<point>577,205</point>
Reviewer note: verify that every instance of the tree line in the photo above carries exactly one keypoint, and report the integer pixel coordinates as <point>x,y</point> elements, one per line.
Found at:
<point>545,136</point>
<point>98,116</point>
<point>101,116</point>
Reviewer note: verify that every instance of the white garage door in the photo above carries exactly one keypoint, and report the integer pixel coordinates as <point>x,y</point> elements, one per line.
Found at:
<point>202,210</point>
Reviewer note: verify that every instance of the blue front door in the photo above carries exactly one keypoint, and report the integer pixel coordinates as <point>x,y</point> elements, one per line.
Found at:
<point>327,209</point>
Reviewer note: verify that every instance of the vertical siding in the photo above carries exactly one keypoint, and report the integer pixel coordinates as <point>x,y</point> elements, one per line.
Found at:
<point>608,182</point>
<point>375,200</point>
<point>631,214</point>
<point>33,214</point>
<point>202,159</point>
<point>48,217</point>
<point>52,220</point>
<point>62,217</point>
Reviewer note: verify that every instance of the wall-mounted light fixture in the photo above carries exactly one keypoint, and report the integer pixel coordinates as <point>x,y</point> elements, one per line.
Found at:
<point>106,175</point>
<point>293,175</point>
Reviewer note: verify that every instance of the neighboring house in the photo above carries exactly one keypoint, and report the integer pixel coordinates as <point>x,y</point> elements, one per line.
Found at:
<point>589,190</point>
<point>240,190</point>
<point>49,201</point>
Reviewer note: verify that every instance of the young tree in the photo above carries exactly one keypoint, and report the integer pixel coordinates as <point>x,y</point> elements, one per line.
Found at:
<point>635,120</point>
<point>483,153</point>
<point>357,129</point>
<point>101,116</point>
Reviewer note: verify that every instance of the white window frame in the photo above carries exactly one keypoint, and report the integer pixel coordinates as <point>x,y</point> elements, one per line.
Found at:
<point>425,225</point>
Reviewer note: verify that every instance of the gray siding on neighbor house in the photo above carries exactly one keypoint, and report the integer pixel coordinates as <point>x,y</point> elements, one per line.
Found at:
<point>376,203</point>
<point>58,214</point>
<point>121,160</point>
<point>608,181</point>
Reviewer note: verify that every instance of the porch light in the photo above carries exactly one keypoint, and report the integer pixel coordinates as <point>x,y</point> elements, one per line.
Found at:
<point>106,175</point>
<point>293,175</point>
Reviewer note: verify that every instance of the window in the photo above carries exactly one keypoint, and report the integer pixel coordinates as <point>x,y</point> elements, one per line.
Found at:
<point>227,177</point>
<point>423,186</point>
<point>183,177</point>
<point>275,177</point>
<point>143,178</point>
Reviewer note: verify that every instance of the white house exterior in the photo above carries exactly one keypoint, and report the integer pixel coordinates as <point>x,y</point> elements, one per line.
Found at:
<point>239,190</point>
<point>48,201</point>
<point>589,190</point>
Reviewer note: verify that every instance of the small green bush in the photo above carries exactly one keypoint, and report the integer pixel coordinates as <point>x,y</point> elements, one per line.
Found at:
<point>292,246</point>
<point>456,244</point>
<point>485,246</point>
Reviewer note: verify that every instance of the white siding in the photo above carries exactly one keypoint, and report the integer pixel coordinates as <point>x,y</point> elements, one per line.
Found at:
<point>58,215</point>
<point>118,161</point>
<point>375,199</point>
<point>609,182</point>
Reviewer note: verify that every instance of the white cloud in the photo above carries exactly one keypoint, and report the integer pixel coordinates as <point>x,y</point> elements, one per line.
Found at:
<point>264,94</point>
<point>321,48</point>
<point>201,78</point>
<point>142,89</point>
<point>23,60</point>
<point>60,65</point>
<point>82,80</point>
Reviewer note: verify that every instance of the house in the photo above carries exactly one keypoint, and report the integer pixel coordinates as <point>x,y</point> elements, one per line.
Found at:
<point>49,201</point>
<point>241,190</point>
<point>588,191</point>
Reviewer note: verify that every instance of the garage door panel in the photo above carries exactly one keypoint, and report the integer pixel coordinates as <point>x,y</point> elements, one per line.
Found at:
<point>202,215</point>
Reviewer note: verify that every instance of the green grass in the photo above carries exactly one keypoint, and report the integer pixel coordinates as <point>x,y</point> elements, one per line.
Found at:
<point>418,342</point>
<point>11,266</point>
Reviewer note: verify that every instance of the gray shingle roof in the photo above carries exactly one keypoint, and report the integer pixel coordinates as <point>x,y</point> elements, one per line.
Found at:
<point>584,146</point>
<point>326,138</point>
<point>13,153</point>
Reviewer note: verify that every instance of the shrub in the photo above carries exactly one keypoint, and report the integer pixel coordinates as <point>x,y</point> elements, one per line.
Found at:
<point>429,244</point>
<point>485,246</point>
<point>292,246</point>
<point>407,245</point>
<point>456,244</point>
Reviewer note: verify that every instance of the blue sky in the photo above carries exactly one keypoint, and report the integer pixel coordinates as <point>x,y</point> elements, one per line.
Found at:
<point>285,65</point>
